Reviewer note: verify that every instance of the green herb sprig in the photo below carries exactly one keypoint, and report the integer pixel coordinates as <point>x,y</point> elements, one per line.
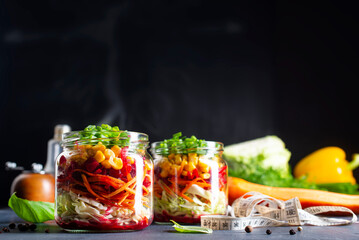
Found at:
<point>181,144</point>
<point>106,134</point>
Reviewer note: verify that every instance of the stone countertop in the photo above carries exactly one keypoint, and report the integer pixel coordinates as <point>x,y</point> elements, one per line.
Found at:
<point>156,232</point>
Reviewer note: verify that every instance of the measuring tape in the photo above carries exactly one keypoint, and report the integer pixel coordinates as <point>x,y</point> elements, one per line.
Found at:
<point>259,210</point>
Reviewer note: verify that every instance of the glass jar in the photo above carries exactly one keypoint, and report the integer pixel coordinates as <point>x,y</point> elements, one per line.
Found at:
<point>189,182</point>
<point>104,184</point>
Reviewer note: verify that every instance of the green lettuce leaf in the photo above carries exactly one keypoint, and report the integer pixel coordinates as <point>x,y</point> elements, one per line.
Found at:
<point>32,211</point>
<point>190,229</point>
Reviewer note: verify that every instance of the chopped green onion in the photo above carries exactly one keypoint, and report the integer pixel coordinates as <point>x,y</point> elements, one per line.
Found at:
<point>106,134</point>
<point>181,144</point>
<point>190,229</point>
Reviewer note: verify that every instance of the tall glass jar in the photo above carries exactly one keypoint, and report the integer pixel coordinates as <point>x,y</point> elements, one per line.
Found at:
<point>189,182</point>
<point>105,183</point>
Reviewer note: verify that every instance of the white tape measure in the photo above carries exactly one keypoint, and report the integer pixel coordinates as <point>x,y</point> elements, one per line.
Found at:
<point>259,210</point>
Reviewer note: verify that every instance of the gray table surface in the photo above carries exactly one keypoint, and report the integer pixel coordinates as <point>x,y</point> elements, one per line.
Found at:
<point>167,232</point>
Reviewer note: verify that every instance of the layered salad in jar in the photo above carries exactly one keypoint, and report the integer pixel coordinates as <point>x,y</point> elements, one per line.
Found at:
<point>190,179</point>
<point>104,180</point>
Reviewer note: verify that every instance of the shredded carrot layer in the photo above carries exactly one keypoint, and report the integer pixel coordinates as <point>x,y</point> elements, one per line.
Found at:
<point>97,185</point>
<point>88,187</point>
<point>125,186</point>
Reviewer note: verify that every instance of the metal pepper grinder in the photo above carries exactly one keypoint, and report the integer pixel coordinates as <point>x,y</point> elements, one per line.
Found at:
<point>54,147</point>
<point>34,184</point>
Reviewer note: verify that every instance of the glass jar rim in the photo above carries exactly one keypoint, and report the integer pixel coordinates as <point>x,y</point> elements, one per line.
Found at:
<point>211,145</point>
<point>134,137</point>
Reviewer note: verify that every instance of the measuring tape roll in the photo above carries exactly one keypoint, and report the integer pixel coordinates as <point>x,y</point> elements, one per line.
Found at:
<point>259,210</point>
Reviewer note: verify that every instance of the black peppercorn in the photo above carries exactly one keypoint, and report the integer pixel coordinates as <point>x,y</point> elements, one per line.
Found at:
<point>47,230</point>
<point>248,229</point>
<point>268,232</point>
<point>33,227</point>
<point>23,227</point>
<point>12,225</point>
<point>5,229</point>
<point>292,232</point>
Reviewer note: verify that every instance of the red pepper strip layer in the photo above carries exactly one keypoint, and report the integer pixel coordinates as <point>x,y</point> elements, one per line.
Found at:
<point>222,170</point>
<point>88,187</point>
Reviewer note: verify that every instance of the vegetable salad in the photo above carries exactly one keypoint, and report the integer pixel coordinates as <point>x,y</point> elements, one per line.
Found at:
<point>190,179</point>
<point>103,183</point>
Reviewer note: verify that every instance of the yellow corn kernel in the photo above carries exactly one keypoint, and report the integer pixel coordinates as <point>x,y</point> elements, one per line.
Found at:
<point>164,173</point>
<point>166,165</point>
<point>205,175</point>
<point>174,169</point>
<point>116,149</point>
<point>116,163</point>
<point>99,147</point>
<point>109,153</point>
<point>215,159</point>
<point>171,156</point>
<point>184,173</point>
<point>203,166</point>
<point>131,160</point>
<point>178,159</point>
<point>190,166</point>
<point>99,157</point>
<point>204,169</point>
<point>192,157</point>
<point>106,164</point>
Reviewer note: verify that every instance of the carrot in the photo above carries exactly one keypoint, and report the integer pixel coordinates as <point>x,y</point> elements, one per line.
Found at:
<point>173,192</point>
<point>103,180</point>
<point>88,187</point>
<point>102,177</point>
<point>123,198</point>
<point>183,182</point>
<point>183,196</point>
<point>307,197</point>
<point>129,177</point>
<point>124,187</point>
<point>166,188</point>
<point>146,191</point>
<point>190,183</point>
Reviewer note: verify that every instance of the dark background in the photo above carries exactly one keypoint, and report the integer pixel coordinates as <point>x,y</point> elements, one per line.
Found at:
<point>228,71</point>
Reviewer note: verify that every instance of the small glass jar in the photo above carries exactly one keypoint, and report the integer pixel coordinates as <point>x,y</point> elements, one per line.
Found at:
<point>189,182</point>
<point>104,184</point>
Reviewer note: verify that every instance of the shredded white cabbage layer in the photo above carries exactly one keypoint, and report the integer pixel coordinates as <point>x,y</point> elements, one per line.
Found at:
<point>71,206</point>
<point>181,207</point>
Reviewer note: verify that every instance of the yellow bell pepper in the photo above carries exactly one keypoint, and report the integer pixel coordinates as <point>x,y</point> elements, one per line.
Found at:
<point>327,165</point>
